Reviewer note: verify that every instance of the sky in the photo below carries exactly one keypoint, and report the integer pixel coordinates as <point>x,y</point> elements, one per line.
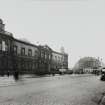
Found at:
<point>77,25</point>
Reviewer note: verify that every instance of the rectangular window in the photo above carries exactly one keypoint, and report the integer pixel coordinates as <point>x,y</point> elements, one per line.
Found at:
<point>15,50</point>
<point>42,54</point>
<point>22,51</point>
<point>3,46</point>
<point>29,52</point>
<point>45,55</point>
<point>36,54</point>
<point>49,56</point>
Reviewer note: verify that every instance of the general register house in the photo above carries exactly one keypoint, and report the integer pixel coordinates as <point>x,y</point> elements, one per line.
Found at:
<point>25,57</point>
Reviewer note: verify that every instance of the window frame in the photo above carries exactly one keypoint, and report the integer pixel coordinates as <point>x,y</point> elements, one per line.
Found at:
<point>16,49</point>
<point>30,52</point>
<point>22,51</point>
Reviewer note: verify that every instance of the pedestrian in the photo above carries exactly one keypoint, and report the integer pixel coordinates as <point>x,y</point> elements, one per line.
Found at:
<point>16,75</point>
<point>8,73</point>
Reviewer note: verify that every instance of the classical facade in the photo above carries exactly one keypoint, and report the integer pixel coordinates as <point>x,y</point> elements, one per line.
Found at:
<point>59,60</point>
<point>25,57</point>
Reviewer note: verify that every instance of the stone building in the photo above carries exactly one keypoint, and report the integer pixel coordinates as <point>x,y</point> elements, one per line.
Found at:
<point>59,60</point>
<point>26,57</point>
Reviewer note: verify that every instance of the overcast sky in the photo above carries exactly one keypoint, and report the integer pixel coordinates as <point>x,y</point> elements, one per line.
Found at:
<point>78,25</point>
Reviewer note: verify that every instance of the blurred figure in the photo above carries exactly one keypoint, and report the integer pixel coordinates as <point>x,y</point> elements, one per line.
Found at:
<point>8,73</point>
<point>16,75</point>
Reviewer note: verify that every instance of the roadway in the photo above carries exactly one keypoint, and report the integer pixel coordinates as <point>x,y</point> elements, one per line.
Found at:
<point>53,90</point>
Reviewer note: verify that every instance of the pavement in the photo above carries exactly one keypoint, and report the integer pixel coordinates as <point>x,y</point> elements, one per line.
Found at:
<point>8,81</point>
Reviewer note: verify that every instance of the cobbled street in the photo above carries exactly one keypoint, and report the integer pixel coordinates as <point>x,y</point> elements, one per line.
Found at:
<point>54,90</point>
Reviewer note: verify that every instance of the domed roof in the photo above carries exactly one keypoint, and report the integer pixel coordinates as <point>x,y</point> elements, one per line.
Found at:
<point>1,21</point>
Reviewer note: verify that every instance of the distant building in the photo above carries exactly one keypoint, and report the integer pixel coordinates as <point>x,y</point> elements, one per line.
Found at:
<point>59,60</point>
<point>87,65</point>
